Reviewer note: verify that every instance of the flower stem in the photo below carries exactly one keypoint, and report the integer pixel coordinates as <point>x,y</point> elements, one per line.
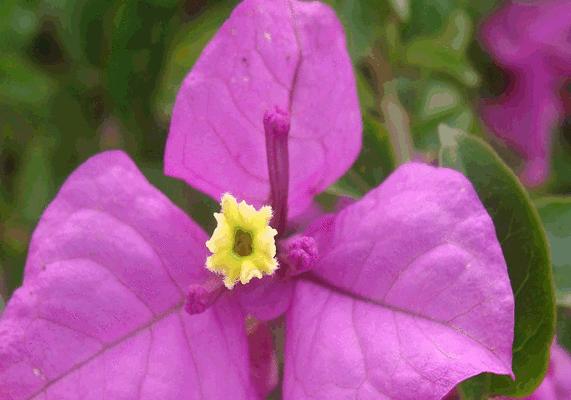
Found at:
<point>389,107</point>
<point>397,123</point>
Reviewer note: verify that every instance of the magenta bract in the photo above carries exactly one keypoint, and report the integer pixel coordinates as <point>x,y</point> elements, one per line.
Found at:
<point>402,294</point>
<point>531,41</point>
<point>410,295</point>
<point>100,314</point>
<point>285,54</point>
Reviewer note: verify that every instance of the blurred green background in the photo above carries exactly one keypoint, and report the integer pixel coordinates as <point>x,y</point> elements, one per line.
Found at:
<point>81,76</point>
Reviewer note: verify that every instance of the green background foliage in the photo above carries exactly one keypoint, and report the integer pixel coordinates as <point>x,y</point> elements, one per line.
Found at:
<point>81,76</point>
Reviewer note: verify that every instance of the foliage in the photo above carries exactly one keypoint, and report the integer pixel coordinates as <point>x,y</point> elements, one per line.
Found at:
<point>79,77</point>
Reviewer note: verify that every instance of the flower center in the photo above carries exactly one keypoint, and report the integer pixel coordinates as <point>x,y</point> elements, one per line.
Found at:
<point>242,243</point>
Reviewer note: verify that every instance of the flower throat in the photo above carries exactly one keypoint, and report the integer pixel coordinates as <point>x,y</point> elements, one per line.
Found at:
<point>242,243</point>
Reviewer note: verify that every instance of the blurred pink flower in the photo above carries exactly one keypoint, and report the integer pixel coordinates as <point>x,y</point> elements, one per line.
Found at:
<point>532,41</point>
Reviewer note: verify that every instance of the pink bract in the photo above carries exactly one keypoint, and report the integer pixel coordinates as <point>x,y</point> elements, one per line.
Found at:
<point>285,54</point>
<point>409,298</point>
<point>100,314</point>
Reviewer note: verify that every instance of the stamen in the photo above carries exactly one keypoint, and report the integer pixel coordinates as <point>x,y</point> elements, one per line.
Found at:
<point>276,127</point>
<point>201,296</point>
<point>299,253</point>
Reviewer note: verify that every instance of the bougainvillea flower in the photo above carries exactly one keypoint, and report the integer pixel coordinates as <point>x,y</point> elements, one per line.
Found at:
<point>401,294</point>
<point>531,41</point>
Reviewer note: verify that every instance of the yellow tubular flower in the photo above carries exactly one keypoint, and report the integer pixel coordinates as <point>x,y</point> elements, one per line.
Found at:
<point>243,244</point>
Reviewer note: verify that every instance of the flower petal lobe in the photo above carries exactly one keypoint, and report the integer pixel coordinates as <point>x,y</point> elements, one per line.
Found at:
<point>101,312</point>
<point>410,295</point>
<point>287,54</point>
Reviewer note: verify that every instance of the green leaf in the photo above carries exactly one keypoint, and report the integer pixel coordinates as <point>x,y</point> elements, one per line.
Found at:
<point>428,16</point>
<point>184,51</point>
<point>80,27</point>
<point>18,22</point>
<point>139,41</point>
<point>560,179</point>
<point>432,102</point>
<point>564,326</point>
<point>556,215</point>
<point>349,185</point>
<point>477,389</point>
<point>73,137</point>
<point>35,183</point>
<point>193,202</point>
<point>438,98</point>
<point>363,21</point>
<point>374,164</point>
<point>367,98</point>
<point>446,51</point>
<point>397,122</point>
<point>525,249</point>
<point>438,102</point>
<point>22,84</point>
<point>458,31</point>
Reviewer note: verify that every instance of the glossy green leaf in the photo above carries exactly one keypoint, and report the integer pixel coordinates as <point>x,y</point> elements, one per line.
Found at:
<point>525,249</point>
<point>556,215</point>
